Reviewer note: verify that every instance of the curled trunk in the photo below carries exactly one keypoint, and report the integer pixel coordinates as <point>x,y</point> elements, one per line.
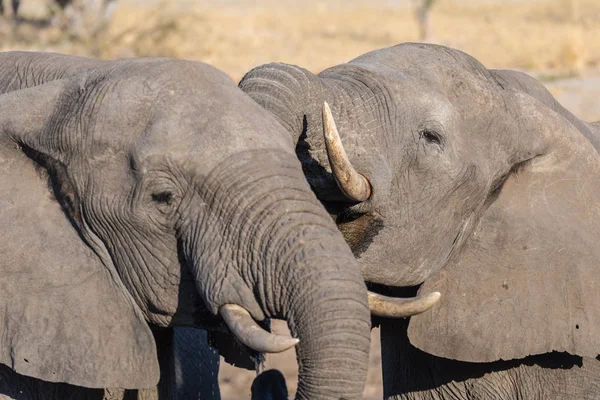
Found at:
<point>295,96</point>
<point>322,306</point>
<point>278,254</point>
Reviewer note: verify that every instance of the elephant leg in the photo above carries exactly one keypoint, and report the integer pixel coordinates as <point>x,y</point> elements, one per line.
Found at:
<point>196,365</point>
<point>165,350</point>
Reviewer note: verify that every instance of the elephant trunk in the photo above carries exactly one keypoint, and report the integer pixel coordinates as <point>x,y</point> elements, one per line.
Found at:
<point>295,96</point>
<point>325,307</point>
<point>278,254</point>
<point>289,92</point>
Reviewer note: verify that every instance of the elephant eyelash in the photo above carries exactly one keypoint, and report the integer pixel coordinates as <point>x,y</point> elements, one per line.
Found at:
<point>431,136</point>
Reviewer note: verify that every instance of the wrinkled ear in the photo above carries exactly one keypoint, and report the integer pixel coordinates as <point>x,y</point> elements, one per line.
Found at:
<point>22,69</point>
<point>64,314</point>
<point>528,280</point>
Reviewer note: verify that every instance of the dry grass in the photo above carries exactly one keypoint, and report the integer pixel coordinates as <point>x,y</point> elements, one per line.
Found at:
<point>559,35</point>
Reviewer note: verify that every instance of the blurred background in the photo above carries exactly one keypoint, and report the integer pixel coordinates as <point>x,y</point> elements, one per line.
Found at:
<point>557,41</point>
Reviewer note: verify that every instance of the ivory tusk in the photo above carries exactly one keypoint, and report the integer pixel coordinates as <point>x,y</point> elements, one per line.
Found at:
<point>396,307</point>
<point>354,186</point>
<point>242,325</point>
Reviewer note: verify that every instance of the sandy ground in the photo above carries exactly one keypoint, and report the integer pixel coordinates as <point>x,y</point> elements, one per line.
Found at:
<point>557,41</point>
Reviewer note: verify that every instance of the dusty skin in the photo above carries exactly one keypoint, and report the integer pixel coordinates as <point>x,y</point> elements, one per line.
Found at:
<point>554,40</point>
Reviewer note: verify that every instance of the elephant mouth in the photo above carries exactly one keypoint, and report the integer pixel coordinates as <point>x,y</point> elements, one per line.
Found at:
<point>359,229</point>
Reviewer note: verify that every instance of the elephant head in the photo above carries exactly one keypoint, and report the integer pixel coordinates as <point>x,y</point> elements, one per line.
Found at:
<point>451,174</point>
<point>155,191</point>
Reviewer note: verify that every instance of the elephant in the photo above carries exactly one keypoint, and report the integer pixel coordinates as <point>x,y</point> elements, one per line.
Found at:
<point>140,195</point>
<point>447,177</point>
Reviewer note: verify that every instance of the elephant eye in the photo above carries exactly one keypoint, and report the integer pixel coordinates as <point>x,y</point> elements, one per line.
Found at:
<point>431,136</point>
<point>164,197</point>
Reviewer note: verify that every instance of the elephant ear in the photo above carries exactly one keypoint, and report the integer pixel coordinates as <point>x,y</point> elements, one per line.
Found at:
<point>528,279</point>
<point>65,316</point>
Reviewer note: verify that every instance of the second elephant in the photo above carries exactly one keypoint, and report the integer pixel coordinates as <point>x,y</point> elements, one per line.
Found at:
<point>467,181</point>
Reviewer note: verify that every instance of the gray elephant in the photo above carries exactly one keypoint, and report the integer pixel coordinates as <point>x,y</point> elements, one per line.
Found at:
<point>153,192</point>
<point>470,182</point>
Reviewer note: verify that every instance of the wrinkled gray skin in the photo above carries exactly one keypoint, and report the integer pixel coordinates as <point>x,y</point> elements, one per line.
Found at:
<point>483,188</point>
<point>153,191</point>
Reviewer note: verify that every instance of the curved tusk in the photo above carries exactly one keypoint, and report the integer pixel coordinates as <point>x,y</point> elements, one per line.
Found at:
<point>396,307</point>
<point>354,186</point>
<point>242,325</point>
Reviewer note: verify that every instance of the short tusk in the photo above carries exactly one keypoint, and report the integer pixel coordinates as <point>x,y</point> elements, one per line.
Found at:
<point>396,307</point>
<point>242,325</point>
<point>354,186</point>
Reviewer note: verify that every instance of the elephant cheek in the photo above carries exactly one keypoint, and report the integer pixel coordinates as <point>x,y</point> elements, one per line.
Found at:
<point>391,259</point>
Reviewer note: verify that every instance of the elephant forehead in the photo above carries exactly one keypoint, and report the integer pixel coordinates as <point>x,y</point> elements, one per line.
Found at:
<point>426,100</point>
<point>213,118</point>
<point>163,72</point>
<point>449,70</point>
<point>210,135</point>
<point>206,120</point>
